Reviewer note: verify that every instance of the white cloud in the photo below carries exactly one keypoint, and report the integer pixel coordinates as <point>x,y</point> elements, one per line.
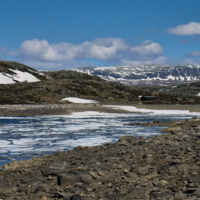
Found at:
<point>41,54</point>
<point>191,28</point>
<point>101,48</point>
<point>147,50</point>
<point>194,54</point>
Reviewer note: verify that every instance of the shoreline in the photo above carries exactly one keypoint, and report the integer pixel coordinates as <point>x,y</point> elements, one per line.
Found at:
<point>165,166</point>
<point>54,109</point>
<point>189,107</point>
<point>66,109</point>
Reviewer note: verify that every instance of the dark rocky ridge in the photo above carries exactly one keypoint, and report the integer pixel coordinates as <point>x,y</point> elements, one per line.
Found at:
<point>160,167</point>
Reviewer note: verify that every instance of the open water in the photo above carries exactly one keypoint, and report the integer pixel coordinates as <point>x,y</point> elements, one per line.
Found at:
<point>25,137</point>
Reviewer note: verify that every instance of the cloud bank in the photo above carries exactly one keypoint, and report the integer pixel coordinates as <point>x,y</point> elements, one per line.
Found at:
<point>102,49</point>
<point>192,28</point>
<point>42,54</point>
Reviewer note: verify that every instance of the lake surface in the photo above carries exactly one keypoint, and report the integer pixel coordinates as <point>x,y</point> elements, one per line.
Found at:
<point>25,137</point>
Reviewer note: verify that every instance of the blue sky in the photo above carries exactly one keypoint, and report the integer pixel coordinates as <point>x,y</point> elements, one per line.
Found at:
<point>66,34</point>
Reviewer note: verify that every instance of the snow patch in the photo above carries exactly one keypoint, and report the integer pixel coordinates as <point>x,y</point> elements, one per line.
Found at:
<point>157,112</point>
<point>5,79</point>
<point>24,76</point>
<point>78,100</point>
<point>18,76</point>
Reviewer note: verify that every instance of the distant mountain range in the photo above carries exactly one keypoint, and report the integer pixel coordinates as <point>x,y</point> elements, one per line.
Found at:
<point>147,75</point>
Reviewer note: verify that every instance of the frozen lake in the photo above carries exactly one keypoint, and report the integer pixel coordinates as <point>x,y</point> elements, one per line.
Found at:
<point>25,137</point>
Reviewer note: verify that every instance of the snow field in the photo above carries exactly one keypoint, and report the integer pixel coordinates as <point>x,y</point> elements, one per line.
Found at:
<point>19,76</point>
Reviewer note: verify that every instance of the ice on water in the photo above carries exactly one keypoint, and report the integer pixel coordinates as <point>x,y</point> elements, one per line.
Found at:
<point>26,137</point>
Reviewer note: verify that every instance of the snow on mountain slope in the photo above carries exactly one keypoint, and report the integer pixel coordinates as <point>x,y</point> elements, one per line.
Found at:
<point>146,74</point>
<point>17,77</point>
<point>13,72</point>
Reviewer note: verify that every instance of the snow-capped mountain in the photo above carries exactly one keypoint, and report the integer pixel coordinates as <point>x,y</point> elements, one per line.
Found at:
<point>146,74</point>
<point>13,72</point>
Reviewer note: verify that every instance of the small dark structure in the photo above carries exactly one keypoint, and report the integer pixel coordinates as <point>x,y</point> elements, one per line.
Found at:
<point>148,98</point>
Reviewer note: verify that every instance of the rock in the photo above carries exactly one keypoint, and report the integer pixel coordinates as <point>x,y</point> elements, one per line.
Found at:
<point>93,174</point>
<point>195,117</point>
<point>176,131</point>
<point>89,189</point>
<point>198,142</point>
<point>163,183</point>
<point>143,170</point>
<point>197,193</point>
<point>172,170</point>
<point>40,189</point>
<point>65,179</point>
<point>55,169</point>
<point>80,168</point>
<point>166,194</point>
<point>87,179</point>
<point>76,197</point>
<point>189,149</point>
<point>195,168</point>
<point>152,175</point>
<point>156,121</point>
<point>101,173</point>
<point>133,166</point>
<point>183,168</point>
<point>136,193</point>
<point>155,181</point>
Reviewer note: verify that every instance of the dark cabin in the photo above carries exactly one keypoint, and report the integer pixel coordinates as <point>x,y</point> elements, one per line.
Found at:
<point>148,98</point>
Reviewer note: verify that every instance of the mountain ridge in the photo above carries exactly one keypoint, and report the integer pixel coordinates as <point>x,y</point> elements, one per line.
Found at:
<point>147,75</point>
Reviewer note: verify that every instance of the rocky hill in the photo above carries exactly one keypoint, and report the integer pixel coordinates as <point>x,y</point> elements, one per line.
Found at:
<point>147,75</point>
<point>53,86</point>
